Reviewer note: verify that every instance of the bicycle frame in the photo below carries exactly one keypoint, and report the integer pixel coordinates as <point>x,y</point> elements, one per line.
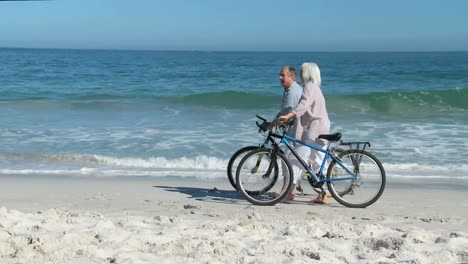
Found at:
<point>269,139</point>
<point>286,138</point>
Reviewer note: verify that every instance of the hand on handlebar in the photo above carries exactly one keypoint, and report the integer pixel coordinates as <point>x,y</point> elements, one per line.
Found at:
<point>286,117</point>
<point>283,119</point>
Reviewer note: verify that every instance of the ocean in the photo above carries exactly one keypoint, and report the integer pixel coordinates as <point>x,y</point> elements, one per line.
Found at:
<point>105,113</point>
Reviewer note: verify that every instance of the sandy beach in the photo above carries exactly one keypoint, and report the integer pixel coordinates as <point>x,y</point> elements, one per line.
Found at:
<point>124,220</point>
<point>119,120</point>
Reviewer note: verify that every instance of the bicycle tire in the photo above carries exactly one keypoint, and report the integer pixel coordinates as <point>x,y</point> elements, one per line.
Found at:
<point>252,169</point>
<point>371,175</point>
<point>332,173</point>
<point>232,166</point>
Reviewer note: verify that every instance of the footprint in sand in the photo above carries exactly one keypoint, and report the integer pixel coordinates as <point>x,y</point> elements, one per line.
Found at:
<point>98,197</point>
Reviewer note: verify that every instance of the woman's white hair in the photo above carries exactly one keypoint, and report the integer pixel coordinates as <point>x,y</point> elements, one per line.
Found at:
<point>310,72</point>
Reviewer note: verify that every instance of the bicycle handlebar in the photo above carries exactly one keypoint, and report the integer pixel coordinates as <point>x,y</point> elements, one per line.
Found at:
<point>284,127</point>
<point>261,118</point>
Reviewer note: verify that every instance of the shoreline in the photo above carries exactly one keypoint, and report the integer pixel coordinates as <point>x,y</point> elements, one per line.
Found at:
<point>53,191</point>
<point>141,220</point>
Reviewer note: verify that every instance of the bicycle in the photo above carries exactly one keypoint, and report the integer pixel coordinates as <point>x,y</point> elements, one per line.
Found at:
<point>349,175</point>
<point>269,139</point>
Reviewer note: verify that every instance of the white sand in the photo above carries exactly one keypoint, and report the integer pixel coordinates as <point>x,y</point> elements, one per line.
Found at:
<point>53,220</point>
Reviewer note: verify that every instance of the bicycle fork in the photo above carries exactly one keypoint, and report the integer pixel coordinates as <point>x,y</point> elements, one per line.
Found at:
<point>270,166</point>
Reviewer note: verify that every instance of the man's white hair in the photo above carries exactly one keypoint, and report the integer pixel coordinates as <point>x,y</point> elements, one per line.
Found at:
<point>310,72</point>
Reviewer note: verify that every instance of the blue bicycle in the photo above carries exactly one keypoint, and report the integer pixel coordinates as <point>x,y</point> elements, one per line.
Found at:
<point>355,177</point>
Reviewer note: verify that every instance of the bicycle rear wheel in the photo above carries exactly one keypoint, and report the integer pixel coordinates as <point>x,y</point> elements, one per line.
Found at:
<point>270,174</point>
<point>360,192</point>
<point>234,162</point>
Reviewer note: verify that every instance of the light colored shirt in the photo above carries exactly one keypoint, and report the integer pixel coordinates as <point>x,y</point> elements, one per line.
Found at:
<point>291,97</point>
<point>312,114</point>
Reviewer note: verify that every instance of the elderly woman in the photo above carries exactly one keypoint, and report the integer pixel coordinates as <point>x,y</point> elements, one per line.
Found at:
<point>313,121</point>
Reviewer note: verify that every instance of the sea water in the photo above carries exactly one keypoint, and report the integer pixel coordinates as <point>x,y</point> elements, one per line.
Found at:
<point>183,114</point>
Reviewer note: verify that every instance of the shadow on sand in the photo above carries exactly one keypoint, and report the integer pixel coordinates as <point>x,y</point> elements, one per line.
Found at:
<point>229,196</point>
<point>207,195</point>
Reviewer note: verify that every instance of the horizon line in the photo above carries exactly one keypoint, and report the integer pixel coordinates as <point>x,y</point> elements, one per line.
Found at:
<point>247,51</point>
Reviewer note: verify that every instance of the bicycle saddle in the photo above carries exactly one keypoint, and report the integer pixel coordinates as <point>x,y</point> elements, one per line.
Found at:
<point>331,137</point>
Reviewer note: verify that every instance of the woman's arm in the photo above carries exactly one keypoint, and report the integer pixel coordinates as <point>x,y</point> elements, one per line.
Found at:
<point>306,101</point>
<point>304,104</point>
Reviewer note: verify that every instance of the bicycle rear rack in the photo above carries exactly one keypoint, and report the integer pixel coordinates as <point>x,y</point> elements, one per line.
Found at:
<point>359,145</point>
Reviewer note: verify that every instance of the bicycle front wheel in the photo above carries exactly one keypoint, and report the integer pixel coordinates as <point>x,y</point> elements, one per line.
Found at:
<point>269,173</point>
<point>363,191</point>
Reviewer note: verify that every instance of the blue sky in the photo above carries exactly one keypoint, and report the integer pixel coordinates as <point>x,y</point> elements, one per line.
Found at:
<point>242,25</point>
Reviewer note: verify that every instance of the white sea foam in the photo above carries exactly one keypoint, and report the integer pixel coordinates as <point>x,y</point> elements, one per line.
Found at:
<point>199,162</point>
<point>458,171</point>
<point>200,166</point>
<point>94,172</point>
<point>98,165</point>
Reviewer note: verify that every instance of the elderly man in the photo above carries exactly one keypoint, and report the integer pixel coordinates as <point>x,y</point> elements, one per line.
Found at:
<point>291,96</point>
